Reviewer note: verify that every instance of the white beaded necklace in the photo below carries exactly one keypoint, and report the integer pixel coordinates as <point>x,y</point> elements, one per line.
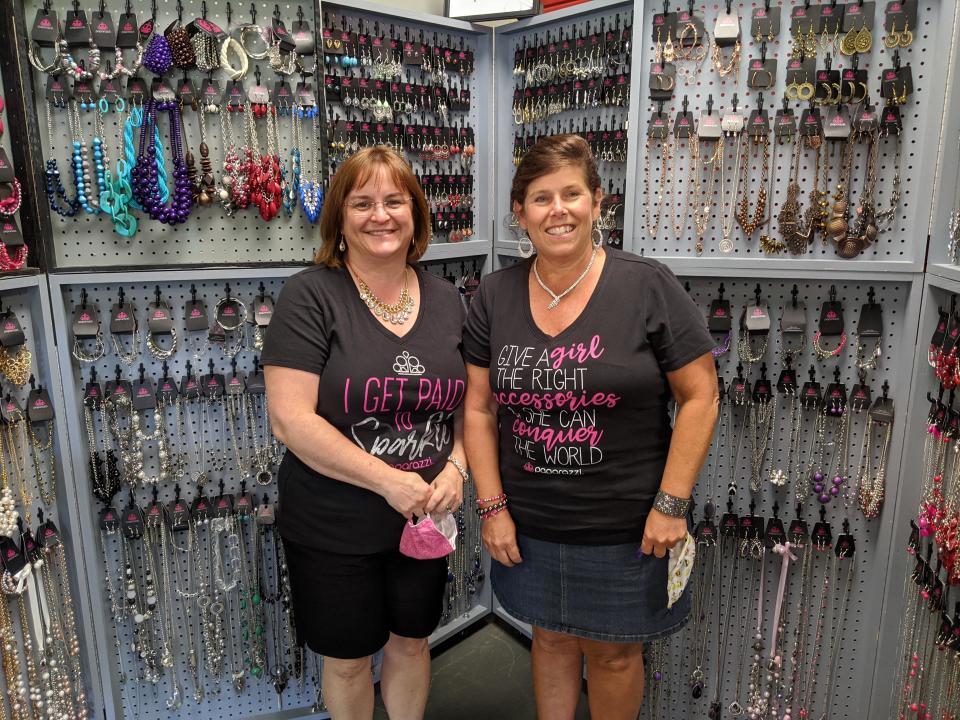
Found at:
<point>557,298</point>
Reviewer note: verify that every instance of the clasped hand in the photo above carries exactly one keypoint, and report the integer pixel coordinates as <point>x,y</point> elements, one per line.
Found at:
<point>411,495</point>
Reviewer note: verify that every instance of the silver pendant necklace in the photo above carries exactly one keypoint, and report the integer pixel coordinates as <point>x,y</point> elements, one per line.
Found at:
<point>557,298</point>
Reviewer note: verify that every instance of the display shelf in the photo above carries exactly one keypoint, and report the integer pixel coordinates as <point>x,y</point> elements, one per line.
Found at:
<point>946,271</point>
<point>456,251</point>
<point>19,281</point>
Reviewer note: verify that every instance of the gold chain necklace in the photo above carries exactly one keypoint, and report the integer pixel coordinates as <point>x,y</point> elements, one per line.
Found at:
<point>749,224</point>
<point>396,314</point>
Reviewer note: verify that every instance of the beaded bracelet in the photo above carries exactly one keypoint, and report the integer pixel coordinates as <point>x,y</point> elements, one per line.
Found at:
<point>488,511</point>
<point>495,498</point>
<point>499,509</point>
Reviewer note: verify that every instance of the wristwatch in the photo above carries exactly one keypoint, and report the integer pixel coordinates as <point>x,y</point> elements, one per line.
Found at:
<point>671,506</point>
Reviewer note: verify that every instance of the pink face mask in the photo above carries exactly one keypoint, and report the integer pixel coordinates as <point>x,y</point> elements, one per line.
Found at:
<point>435,536</point>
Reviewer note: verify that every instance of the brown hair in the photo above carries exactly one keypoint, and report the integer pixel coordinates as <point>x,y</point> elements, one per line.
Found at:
<point>549,154</point>
<point>357,169</point>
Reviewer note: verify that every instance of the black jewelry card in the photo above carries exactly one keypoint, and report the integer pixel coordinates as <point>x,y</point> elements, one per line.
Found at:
<point>859,397</point>
<point>765,23</point>
<point>167,391</point>
<point>859,15</point>
<point>154,515</point>
<point>234,384</point>
<point>137,91</point>
<point>6,172</point>
<point>831,318</point>
<point>810,123</point>
<point>212,385</point>
<point>10,409</point>
<point>200,510</point>
<point>11,333</point>
<point>123,319</point>
<point>104,36</point>
<point>39,407</point>
<point>803,19</point>
<point>178,514</point>
<point>831,18</point>
<point>108,520</point>
<point>144,395</point>
<point>44,28</point>
<point>93,395</point>
<point>210,92</point>
<point>186,92</point>
<point>127,32</point>
<point>189,387</point>
<point>76,32</point>
<point>132,522</point>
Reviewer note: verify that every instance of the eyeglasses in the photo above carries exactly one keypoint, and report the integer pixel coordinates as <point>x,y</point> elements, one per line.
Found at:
<point>390,205</point>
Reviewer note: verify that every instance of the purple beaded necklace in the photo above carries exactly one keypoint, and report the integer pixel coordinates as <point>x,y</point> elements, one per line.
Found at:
<point>144,175</point>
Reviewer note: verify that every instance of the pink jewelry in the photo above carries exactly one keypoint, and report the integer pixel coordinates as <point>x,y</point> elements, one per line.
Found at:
<point>16,262</point>
<point>495,498</point>
<point>9,205</point>
<point>823,354</point>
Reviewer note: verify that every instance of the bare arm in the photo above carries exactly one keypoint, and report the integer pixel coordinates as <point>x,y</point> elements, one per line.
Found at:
<point>694,387</point>
<point>481,441</point>
<point>292,401</point>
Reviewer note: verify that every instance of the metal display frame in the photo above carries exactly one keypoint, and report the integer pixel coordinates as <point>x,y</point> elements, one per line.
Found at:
<point>28,296</point>
<point>117,700</point>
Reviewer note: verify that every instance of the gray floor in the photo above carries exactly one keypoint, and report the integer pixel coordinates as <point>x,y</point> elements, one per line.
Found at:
<point>486,675</point>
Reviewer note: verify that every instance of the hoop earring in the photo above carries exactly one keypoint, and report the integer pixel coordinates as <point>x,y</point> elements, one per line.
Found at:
<point>525,245</point>
<point>906,37</point>
<point>597,236</point>
<point>892,38</point>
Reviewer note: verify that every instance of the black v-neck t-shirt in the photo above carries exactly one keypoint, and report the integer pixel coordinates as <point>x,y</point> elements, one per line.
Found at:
<point>583,424</point>
<point>393,396</point>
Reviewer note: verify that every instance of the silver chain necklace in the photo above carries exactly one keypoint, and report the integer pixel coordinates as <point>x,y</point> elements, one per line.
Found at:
<point>557,298</point>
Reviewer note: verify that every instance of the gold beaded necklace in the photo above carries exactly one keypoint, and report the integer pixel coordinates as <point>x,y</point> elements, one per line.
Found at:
<point>397,313</point>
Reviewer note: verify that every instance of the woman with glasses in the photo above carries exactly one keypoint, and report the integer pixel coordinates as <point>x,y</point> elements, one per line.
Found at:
<point>365,380</point>
<point>572,357</point>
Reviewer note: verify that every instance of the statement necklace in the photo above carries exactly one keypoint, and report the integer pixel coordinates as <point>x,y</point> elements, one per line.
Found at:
<point>396,314</point>
<point>557,298</point>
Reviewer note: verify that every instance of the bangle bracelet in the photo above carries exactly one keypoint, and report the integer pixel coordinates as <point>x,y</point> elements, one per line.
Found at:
<point>495,498</point>
<point>460,468</point>
<point>670,505</point>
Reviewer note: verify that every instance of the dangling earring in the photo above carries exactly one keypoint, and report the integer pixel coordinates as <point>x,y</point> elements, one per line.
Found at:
<point>597,235</point>
<point>342,245</point>
<point>864,41</point>
<point>892,38</point>
<point>524,245</point>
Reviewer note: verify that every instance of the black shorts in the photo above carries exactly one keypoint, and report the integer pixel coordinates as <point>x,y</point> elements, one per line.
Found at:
<point>346,606</point>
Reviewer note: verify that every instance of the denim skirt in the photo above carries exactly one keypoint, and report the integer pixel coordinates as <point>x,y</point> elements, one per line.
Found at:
<point>597,592</point>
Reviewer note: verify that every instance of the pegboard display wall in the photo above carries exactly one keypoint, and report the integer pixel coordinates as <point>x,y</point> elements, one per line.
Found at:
<point>199,439</point>
<point>415,87</point>
<point>731,593</point>
<point>926,509</point>
<point>208,236</point>
<point>571,75</point>
<point>681,212</point>
<point>43,594</point>
<point>306,146</point>
<point>14,255</point>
